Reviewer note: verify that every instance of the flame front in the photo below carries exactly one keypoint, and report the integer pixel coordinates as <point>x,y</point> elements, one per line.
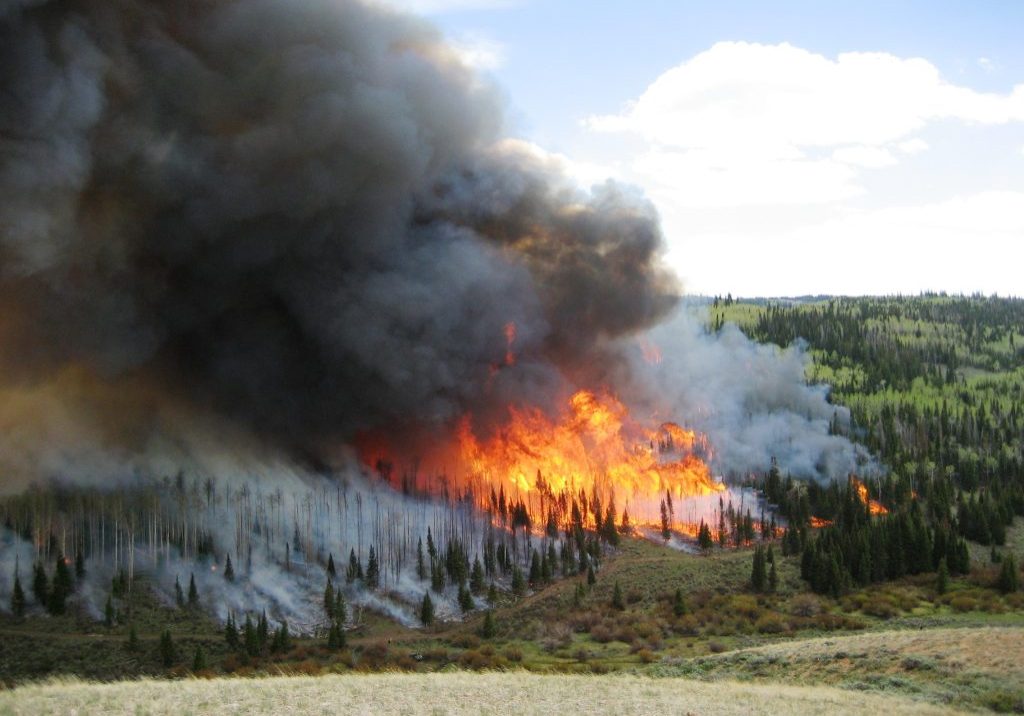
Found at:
<point>874,506</point>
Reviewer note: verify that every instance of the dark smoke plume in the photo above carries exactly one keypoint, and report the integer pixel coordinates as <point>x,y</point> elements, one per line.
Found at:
<point>297,216</point>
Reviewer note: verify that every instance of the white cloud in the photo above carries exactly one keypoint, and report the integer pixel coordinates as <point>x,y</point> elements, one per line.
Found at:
<point>776,97</point>
<point>749,124</point>
<point>862,156</point>
<point>987,64</point>
<point>958,245</point>
<point>913,146</point>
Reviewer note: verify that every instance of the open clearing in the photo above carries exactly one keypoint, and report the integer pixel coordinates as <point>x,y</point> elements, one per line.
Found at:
<point>453,693</point>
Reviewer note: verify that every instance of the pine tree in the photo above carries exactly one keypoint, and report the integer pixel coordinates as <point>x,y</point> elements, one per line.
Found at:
<point>476,577</point>
<point>133,639</point>
<point>193,593</point>
<point>579,595</point>
<point>199,660</point>
<point>79,566</point>
<point>591,576</point>
<point>229,570</point>
<point>262,631</point>
<point>465,599</point>
<point>372,570</point>
<point>421,568</point>
<point>665,531</point>
<point>489,629</point>
<point>282,640</point>
<point>108,612</point>
<point>168,653</point>
<point>231,632</point>
<point>17,596</point>
<point>492,594</point>
<point>758,577</point>
<point>179,596</point>
<point>340,608</point>
<point>617,600</point>
<point>355,570</point>
<point>331,571</point>
<point>518,582</point>
<point>40,584</point>
<point>249,638</point>
<point>60,588</point>
<point>679,607</point>
<point>329,599</point>
<point>773,578</point>
<point>704,539</point>
<point>942,577</point>
<point>336,637</point>
<point>427,610</point>
<point>1009,575</point>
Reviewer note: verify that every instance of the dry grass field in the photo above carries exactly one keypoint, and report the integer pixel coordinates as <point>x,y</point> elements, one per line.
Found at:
<point>451,693</point>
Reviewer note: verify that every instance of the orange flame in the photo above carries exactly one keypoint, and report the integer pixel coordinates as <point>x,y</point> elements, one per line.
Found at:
<point>874,506</point>
<point>510,338</point>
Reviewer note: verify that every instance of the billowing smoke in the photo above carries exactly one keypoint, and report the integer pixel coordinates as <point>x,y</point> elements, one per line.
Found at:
<point>750,399</point>
<point>235,233</point>
<point>300,217</point>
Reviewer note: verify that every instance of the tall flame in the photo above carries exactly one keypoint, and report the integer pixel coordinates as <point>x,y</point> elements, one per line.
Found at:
<point>593,447</point>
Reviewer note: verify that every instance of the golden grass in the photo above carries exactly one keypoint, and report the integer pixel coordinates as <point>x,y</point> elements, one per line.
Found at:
<point>451,693</point>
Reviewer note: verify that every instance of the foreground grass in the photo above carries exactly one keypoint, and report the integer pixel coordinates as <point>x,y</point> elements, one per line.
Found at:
<point>452,693</point>
<point>976,668</point>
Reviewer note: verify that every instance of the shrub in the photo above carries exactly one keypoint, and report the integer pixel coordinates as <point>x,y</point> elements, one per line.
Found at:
<point>716,647</point>
<point>963,603</point>
<point>770,624</point>
<point>514,654</point>
<point>805,605</point>
<point>646,656</point>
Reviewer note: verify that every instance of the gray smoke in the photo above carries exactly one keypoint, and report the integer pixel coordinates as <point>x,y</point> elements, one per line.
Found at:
<point>750,399</point>
<point>299,217</point>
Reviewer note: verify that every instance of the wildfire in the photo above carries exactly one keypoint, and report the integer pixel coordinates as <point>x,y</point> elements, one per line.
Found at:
<point>593,448</point>
<point>874,506</point>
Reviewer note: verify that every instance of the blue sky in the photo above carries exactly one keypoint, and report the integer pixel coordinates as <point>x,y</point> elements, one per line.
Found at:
<point>790,148</point>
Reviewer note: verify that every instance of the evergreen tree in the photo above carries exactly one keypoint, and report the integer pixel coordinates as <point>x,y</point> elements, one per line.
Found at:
<point>179,596</point>
<point>465,599</point>
<point>666,532</point>
<point>79,566</point>
<point>249,638</point>
<point>355,569</point>
<point>231,632</point>
<point>40,584</point>
<point>773,578</point>
<point>340,607</point>
<point>492,594</point>
<point>1009,575</point>
<point>421,569</point>
<point>17,596</point>
<point>372,570</point>
<point>168,653</point>
<point>942,577</point>
<point>262,631</point>
<point>488,630</point>
<point>193,593</point>
<point>758,576</point>
<point>704,539</point>
<point>335,637</point>
<point>229,570</point>
<point>282,640</point>
<point>579,595</point>
<point>331,571</point>
<point>617,600</point>
<point>108,612</point>
<point>329,599</point>
<point>427,610</point>
<point>199,660</point>
<point>591,576</point>
<point>518,582</point>
<point>133,639</point>
<point>476,578</point>
<point>535,574</point>
<point>60,588</point>
<point>679,607</point>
